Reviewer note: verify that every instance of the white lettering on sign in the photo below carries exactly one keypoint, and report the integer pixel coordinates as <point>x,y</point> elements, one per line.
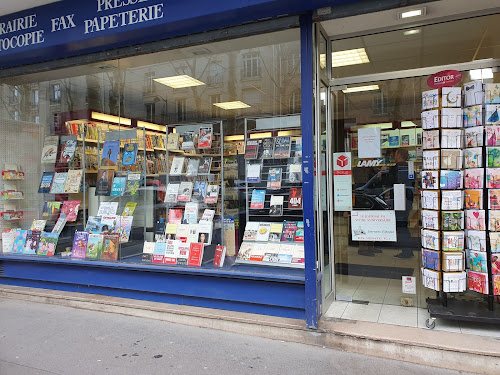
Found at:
<point>369,163</point>
<point>444,78</point>
<point>62,23</point>
<point>18,24</point>
<point>22,40</point>
<point>125,18</point>
<point>113,4</point>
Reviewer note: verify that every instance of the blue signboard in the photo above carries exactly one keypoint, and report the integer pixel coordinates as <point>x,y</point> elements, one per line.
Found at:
<point>69,27</point>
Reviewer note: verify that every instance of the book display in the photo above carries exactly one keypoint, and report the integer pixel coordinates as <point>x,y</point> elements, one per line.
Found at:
<point>458,234</point>
<point>12,177</point>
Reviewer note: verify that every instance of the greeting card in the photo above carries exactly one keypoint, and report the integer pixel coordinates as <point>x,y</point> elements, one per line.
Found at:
<point>430,99</point>
<point>492,135</point>
<point>474,178</point>
<point>494,221</point>
<point>494,242</point>
<point>430,139</point>
<point>474,136</point>
<point>473,93</point>
<point>475,219</point>
<point>430,219</point>
<point>430,119</point>
<point>430,180</point>
<point>452,220</point>
<point>451,138</point>
<point>474,199</point>
<point>451,96</point>
<point>492,93</point>
<point>493,199</point>
<point>430,199</point>
<point>431,259</point>
<point>451,118</point>
<point>492,114</point>
<point>493,178</point>
<point>473,116</point>
<point>452,200</point>
<point>430,159</point>
<point>453,241</point>
<point>476,240</point>
<point>430,239</point>
<point>478,282</point>
<point>450,180</point>
<point>452,159</point>
<point>493,157</point>
<point>473,157</point>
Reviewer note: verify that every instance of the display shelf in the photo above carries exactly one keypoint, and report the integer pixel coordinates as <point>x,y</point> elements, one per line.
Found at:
<point>270,264</point>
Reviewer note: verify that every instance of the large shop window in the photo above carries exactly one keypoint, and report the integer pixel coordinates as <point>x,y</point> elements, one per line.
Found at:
<point>173,159</point>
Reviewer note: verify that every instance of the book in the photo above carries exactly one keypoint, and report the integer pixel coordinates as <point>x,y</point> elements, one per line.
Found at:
<point>118,186</point>
<point>205,232</point>
<point>450,180</point>
<point>451,220</point>
<point>171,252</point>
<point>124,227</point>
<point>251,149</point>
<point>473,116</point>
<point>212,194</point>
<point>285,254</point>
<point>192,233</point>
<point>199,191</point>
<point>19,241</point>
<point>245,250</point>
<point>68,148</point>
<point>73,181</point>
<point>147,252</point>
<point>274,179</point>
<point>431,259</point>
<point>192,167</point>
<point>430,199</point>
<point>430,219</point>
<point>276,205</point>
<point>473,199</point>
<point>476,240</point>
<point>219,256</point>
<point>473,157</point>
<point>159,252</point>
<point>295,198</point>
<point>93,224</point>
<point>109,154</point>
<point>294,172</point>
<point>205,137</point>
<point>474,136</point>
<point>129,154</point>
<point>258,199</point>
<point>474,178</point>
<point>182,232</point>
<point>171,193</point>
<point>205,165</point>
<point>107,208</point>
<point>430,99</point>
<point>195,254</point>
<point>48,243</point>
<point>299,233</point>
<point>49,151</point>
<point>185,191</point>
<point>58,183</point>
<point>51,210</point>
<point>173,141</point>
<point>492,135</point>
<point>32,242</point>
<point>258,251</point>
<point>298,147</point>
<point>38,225</point>
<point>297,255</point>
<point>8,237</point>
<point>430,180</point>
<point>183,253</point>
<point>46,182</point>
<point>452,200</point>
<point>267,147</point>
<point>177,167</point>
<point>251,230</point>
<point>253,172</point>
<point>160,231</point>
<point>108,223</point>
<point>263,232</point>
<point>174,216</point>
<point>104,182</point>
<point>289,229</point>
<point>430,119</point>
<point>188,140</point>
<point>61,222</point>
<point>478,282</point>
<point>282,147</point>
<point>110,246</point>
<point>275,232</point>
<point>70,209</point>
<point>133,184</point>
<point>208,215</point>
<point>271,253</point>
<point>191,213</point>
<point>79,249</point>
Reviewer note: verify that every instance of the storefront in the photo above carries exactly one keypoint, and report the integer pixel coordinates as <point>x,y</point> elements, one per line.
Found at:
<point>188,154</point>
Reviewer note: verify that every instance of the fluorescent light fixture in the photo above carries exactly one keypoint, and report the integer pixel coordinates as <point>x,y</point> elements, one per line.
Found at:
<point>150,126</point>
<point>178,82</point>
<point>110,118</point>
<point>237,137</point>
<point>232,105</point>
<point>477,74</point>
<point>381,125</point>
<point>288,132</point>
<point>412,32</point>
<point>349,57</point>
<point>322,60</point>
<point>412,13</point>
<point>408,124</point>
<point>361,88</point>
<point>261,135</point>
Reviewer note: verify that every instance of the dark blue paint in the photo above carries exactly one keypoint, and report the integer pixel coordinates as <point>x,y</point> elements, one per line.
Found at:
<point>307,119</point>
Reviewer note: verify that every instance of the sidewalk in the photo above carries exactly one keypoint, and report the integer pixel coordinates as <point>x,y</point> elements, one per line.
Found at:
<point>464,352</point>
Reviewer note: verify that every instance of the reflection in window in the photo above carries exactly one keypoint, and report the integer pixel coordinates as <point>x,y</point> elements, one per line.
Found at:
<point>56,93</point>
<point>215,110</point>
<point>251,66</point>
<point>149,84</point>
<point>180,109</point>
<point>150,112</point>
<point>215,74</point>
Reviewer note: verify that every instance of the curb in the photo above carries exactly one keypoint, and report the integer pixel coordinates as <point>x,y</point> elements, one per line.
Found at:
<point>457,351</point>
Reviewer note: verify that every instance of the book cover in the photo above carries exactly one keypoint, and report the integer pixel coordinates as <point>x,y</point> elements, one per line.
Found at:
<point>51,210</point>
<point>19,241</point>
<point>133,184</point>
<point>108,223</point>
<point>451,220</point>
<point>282,147</point>
<point>289,229</point>
<point>274,179</point>
<point>258,251</point>
<point>159,252</point>
<point>46,182</point>
<point>192,233</point>
<point>478,282</point>
<point>110,151</point>
<point>49,151</point>
<point>275,232</point>
<point>493,157</point>
<point>79,249</point>
<point>205,137</point>
<point>299,233</point>
<point>192,167</point>
<point>452,200</point>
<point>58,183</point>
<point>8,237</point>
<point>171,252</point>
<point>295,198</point>
<point>32,242</point>
<point>171,193</point>
<point>129,154</point>
<point>147,252</point>
<point>294,172</point>
<point>124,227</point>
<point>177,167</point>
<point>212,194</point>
<point>474,137</point>
<point>276,205</point>
<point>298,255</point>
<point>251,149</point>
<point>195,254</point>
<point>258,199</point>
<point>93,224</point>
<point>61,222</point>
<point>430,219</point>
<point>188,140</point>
<point>430,180</point>
<point>183,256</point>
<point>190,213</point>
<point>48,243</point>
<point>431,259</point>
<point>205,232</point>
<point>430,99</point>
<point>107,208</point>
<point>285,254</point>
<point>245,250</point>
<point>70,209</point>
<point>450,180</point>
<point>182,232</point>
<point>205,165</point>
<point>493,135</point>
<point>129,209</point>
<point>253,172</point>
<point>263,232</point>
<point>251,230</point>
<point>173,141</point>
<point>110,247</point>
<point>68,148</point>
<point>219,256</point>
<point>474,178</point>
<point>208,215</point>
<point>73,181</point>
<point>298,147</point>
<point>492,114</point>
<point>104,182</point>
<point>267,147</point>
<point>185,191</point>
<point>174,216</point>
<point>451,96</point>
<point>271,253</point>
<point>160,231</point>
<point>38,225</point>
<point>118,186</point>
<point>199,191</point>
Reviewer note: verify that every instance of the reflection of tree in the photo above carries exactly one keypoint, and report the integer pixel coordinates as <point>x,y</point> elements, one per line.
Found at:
<point>116,95</point>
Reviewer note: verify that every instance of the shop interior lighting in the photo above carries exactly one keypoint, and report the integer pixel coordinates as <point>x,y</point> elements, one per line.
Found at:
<point>237,137</point>
<point>178,82</point>
<point>150,126</point>
<point>349,57</point>
<point>408,124</point>
<point>381,125</point>
<point>412,13</point>
<point>361,88</point>
<point>412,32</point>
<point>261,135</point>
<point>322,60</point>
<point>288,132</point>
<point>232,105</point>
<point>478,74</point>
<point>110,118</point>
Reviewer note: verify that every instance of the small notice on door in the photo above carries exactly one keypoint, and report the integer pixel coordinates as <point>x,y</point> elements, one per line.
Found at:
<point>373,226</point>
<point>342,181</point>
<point>409,284</point>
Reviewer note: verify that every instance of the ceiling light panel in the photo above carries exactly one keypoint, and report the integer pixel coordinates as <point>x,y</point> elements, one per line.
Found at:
<point>232,105</point>
<point>349,57</point>
<point>178,82</point>
<point>361,88</point>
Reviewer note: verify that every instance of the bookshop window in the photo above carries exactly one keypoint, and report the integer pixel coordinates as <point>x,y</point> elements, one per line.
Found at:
<point>217,183</point>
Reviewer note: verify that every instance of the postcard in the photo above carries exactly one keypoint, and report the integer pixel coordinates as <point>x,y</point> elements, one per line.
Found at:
<point>430,119</point>
<point>430,180</point>
<point>473,157</point>
<point>492,114</point>
<point>474,136</point>
<point>430,199</point>
<point>474,178</point>
<point>475,219</point>
<point>474,199</point>
<point>473,116</point>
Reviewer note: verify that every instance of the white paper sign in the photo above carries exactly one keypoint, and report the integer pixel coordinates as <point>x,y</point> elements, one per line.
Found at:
<point>342,181</point>
<point>369,143</point>
<point>409,284</point>
<point>373,225</point>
